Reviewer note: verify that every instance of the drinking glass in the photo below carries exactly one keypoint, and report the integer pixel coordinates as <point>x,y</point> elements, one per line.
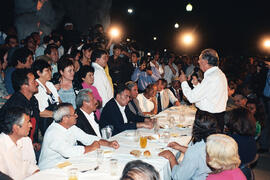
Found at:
<point>143,141</point>
<point>166,136</point>
<point>72,174</point>
<point>100,155</point>
<point>106,132</point>
<point>136,136</point>
<point>113,164</point>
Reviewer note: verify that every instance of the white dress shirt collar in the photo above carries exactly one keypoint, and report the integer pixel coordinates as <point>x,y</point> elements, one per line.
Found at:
<point>91,119</point>
<point>208,71</point>
<point>122,110</point>
<point>97,65</point>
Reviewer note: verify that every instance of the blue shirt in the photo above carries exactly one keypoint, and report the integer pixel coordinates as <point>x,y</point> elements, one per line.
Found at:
<point>8,79</point>
<point>266,91</point>
<point>194,164</point>
<point>143,78</point>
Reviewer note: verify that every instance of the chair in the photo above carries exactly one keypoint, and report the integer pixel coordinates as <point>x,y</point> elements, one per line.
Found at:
<point>247,168</point>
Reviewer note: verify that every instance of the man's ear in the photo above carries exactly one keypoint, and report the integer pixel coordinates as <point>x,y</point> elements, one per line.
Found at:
<point>38,73</point>
<point>15,128</point>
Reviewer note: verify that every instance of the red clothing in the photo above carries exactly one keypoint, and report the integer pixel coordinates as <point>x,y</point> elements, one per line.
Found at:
<point>235,174</point>
<point>95,94</point>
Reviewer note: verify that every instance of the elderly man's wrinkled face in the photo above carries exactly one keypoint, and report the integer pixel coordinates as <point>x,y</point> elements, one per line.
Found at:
<point>72,117</point>
<point>24,129</point>
<point>92,104</point>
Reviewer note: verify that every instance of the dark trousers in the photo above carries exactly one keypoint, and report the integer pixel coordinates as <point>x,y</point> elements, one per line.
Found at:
<point>219,117</point>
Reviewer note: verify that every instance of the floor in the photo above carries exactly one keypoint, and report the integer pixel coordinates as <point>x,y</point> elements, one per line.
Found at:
<point>262,169</point>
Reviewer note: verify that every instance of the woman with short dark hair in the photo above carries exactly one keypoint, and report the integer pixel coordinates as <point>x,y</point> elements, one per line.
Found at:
<point>86,80</point>
<point>47,95</point>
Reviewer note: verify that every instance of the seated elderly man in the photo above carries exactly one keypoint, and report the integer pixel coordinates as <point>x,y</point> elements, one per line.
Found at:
<point>121,118</point>
<point>60,140</point>
<point>17,157</point>
<point>165,96</point>
<point>86,107</point>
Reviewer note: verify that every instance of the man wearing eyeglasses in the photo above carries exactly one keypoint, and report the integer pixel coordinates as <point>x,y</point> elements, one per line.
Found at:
<point>60,139</point>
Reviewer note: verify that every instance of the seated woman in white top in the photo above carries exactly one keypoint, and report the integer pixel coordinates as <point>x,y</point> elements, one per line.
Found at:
<point>147,100</point>
<point>47,95</point>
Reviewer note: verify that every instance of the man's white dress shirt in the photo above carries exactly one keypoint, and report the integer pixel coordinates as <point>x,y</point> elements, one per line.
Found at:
<point>60,143</point>
<point>17,160</point>
<point>122,110</point>
<point>102,83</point>
<point>91,119</point>
<point>212,94</point>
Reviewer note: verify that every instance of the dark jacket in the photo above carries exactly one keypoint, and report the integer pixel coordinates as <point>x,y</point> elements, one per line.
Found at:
<point>84,124</point>
<point>111,115</point>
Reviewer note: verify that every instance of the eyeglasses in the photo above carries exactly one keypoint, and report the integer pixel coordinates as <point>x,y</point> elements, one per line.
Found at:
<point>72,115</point>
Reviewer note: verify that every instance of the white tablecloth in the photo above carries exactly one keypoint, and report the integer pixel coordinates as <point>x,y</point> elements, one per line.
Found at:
<point>183,115</point>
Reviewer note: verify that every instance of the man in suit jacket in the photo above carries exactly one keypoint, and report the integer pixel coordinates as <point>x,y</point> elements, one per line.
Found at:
<point>165,96</point>
<point>86,106</point>
<point>121,118</point>
<point>176,89</point>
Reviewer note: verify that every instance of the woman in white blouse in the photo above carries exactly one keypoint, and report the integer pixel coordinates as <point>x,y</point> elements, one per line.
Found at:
<point>47,95</point>
<point>148,101</point>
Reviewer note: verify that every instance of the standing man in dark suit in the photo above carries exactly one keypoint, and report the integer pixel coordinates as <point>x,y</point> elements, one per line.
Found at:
<point>121,118</point>
<point>86,107</point>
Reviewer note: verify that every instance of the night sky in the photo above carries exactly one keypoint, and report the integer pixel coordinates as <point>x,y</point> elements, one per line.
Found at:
<point>231,27</point>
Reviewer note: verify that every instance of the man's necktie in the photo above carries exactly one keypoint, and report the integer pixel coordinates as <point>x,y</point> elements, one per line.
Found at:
<point>159,103</point>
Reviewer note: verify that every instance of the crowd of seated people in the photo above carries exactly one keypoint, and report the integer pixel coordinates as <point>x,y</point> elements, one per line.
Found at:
<point>98,82</point>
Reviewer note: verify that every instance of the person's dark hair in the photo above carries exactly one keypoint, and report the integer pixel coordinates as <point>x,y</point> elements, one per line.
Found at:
<point>136,53</point>
<point>117,46</point>
<point>74,52</point>
<point>20,55</point>
<point>148,88</point>
<point>163,82</point>
<point>260,110</point>
<point>10,37</point>
<point>211,56</point>
<point>49,48</point>
<point>56,38</point>
<point>39,65</point>
<point>241,122</point>
<point>83,72</point>
<point>119,89</point>
<point>139,169</point>
<point>19,77</point>
<point>34,33</point>
<point>46,39</point>
<point>63,63</point>
<point>204,125</point>
<point>87,46</point>
<point>13,115</point>
<point>27,39</point>
<point>97,53</point>
<point>3,51</point>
